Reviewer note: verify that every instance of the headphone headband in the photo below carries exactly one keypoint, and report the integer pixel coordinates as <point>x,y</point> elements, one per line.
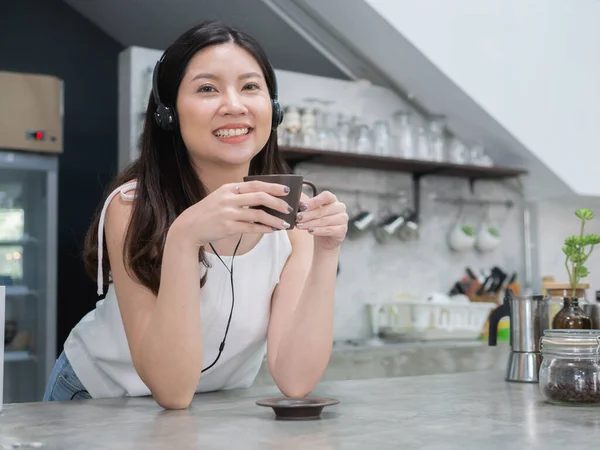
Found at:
<point>155,81</point>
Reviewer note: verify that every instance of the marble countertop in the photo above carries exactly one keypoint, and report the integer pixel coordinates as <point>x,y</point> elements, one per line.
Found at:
<point>477,410</point>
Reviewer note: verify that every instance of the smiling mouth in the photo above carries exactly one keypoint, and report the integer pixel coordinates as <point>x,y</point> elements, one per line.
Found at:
<point>224,133</point>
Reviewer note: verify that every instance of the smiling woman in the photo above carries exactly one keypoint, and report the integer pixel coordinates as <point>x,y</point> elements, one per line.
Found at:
<point>224,93</point>
<point>176,318</point>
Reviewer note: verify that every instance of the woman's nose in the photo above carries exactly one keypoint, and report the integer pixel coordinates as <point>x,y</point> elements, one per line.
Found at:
<point>233,104</point>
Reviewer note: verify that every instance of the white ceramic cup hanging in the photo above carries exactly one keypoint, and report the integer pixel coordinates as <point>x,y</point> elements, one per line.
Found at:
<point>461,237</point>
<point>488,236</point>
<point>488,239</point>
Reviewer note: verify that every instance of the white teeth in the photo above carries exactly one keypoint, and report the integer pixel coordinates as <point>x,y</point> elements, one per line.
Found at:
<point>231,132</point>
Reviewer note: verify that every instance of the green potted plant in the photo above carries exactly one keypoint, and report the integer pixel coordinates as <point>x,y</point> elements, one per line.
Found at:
<point>577,250</point>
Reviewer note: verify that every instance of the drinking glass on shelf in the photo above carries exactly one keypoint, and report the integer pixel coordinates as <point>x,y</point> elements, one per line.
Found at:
<point>423,147</point>
<point>308,128</point>
<point>486,161</point>
<point>405,139</point>
<point>437,138</point>
<point>364,143</point>
<point>327,131</point>
<point>458,152</point>
<point>381,135</point>
<point>478,156</point>
<point>344,133</point>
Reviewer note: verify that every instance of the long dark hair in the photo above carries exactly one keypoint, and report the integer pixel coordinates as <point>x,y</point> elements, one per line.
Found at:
<point>167,183</point>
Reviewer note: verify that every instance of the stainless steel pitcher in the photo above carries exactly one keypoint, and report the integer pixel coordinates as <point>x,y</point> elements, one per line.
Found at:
<point>529,317</point>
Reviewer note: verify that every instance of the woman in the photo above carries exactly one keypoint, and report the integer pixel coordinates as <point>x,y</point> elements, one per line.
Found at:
<point>174,223</point>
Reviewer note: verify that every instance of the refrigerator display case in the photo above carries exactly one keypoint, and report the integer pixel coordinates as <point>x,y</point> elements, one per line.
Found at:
<point>28,255</point>
<point>31,139</point>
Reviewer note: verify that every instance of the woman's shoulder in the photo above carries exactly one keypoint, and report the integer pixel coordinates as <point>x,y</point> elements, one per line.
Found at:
<point>119,204</point>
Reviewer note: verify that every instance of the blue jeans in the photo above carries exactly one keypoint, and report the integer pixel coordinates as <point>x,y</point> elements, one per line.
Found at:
<point>63,384</point>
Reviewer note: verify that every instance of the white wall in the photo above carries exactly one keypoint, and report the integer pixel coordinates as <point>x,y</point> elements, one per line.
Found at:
<point>533,65</point>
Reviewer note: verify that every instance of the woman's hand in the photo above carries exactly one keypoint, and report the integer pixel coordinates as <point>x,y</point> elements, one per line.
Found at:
<point>226,212</point>
<point>324,216</point>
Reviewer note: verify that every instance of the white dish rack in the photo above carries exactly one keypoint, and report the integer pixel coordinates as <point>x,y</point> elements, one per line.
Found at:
<point>421,320</point>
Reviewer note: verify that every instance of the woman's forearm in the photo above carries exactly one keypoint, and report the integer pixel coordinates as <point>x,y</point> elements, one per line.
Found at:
<point>171,351</point>
<point>305,348</point>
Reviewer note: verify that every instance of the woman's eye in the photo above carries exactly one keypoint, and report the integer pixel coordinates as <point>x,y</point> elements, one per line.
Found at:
<point>206,89</point>
<point>252,86</point>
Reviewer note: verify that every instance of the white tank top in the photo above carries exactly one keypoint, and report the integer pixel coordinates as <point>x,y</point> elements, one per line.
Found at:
<point>97,346</point>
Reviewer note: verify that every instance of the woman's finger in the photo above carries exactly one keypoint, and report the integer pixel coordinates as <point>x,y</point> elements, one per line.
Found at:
<point>327,210</point>
<point>258,186</point>
<point>329,231</point>
<point>262,199</point>
<point>324,198</point>
<point>262,217</point>
<point>334,220</point>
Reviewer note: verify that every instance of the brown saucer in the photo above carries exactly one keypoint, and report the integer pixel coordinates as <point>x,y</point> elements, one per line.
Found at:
<point>298,408</point>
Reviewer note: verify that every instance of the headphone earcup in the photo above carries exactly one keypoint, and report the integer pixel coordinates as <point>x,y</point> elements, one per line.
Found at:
<point>277,114</point>
<point>164,117</point>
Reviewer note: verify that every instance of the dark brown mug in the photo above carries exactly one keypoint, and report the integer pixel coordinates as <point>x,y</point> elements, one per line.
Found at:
<point>295,183</point>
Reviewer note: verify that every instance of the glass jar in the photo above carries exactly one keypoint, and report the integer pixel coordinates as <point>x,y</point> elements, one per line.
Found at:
<point>570,369</point>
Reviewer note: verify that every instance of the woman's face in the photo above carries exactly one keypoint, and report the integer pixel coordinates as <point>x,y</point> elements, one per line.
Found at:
<point>224,106</point>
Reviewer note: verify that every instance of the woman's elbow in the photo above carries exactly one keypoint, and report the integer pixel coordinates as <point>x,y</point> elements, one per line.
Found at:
<point>173,401</point>
<point>173,396</point>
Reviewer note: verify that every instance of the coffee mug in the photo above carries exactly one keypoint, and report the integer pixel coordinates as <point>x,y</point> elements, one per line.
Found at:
<point>488,239</point>
<point>461,238</point>
<point>295,183</point>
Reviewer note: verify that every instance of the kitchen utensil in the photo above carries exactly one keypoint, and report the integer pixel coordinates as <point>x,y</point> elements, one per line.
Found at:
<point>402,226</point>
<point>529,317</point>
<point>297,408</point>
<point>493,282</point>
<point>410,229</point>
<point>295,183</point>
<point>362,221</point>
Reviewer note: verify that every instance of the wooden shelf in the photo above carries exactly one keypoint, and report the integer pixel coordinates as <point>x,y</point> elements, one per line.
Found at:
<point>295,155</point>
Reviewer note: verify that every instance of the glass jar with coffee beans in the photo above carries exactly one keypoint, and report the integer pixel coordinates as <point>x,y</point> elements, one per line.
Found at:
<point>570,370</point>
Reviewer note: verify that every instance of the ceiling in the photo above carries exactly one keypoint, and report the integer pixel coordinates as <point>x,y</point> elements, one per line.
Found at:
<point>156,23</point>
